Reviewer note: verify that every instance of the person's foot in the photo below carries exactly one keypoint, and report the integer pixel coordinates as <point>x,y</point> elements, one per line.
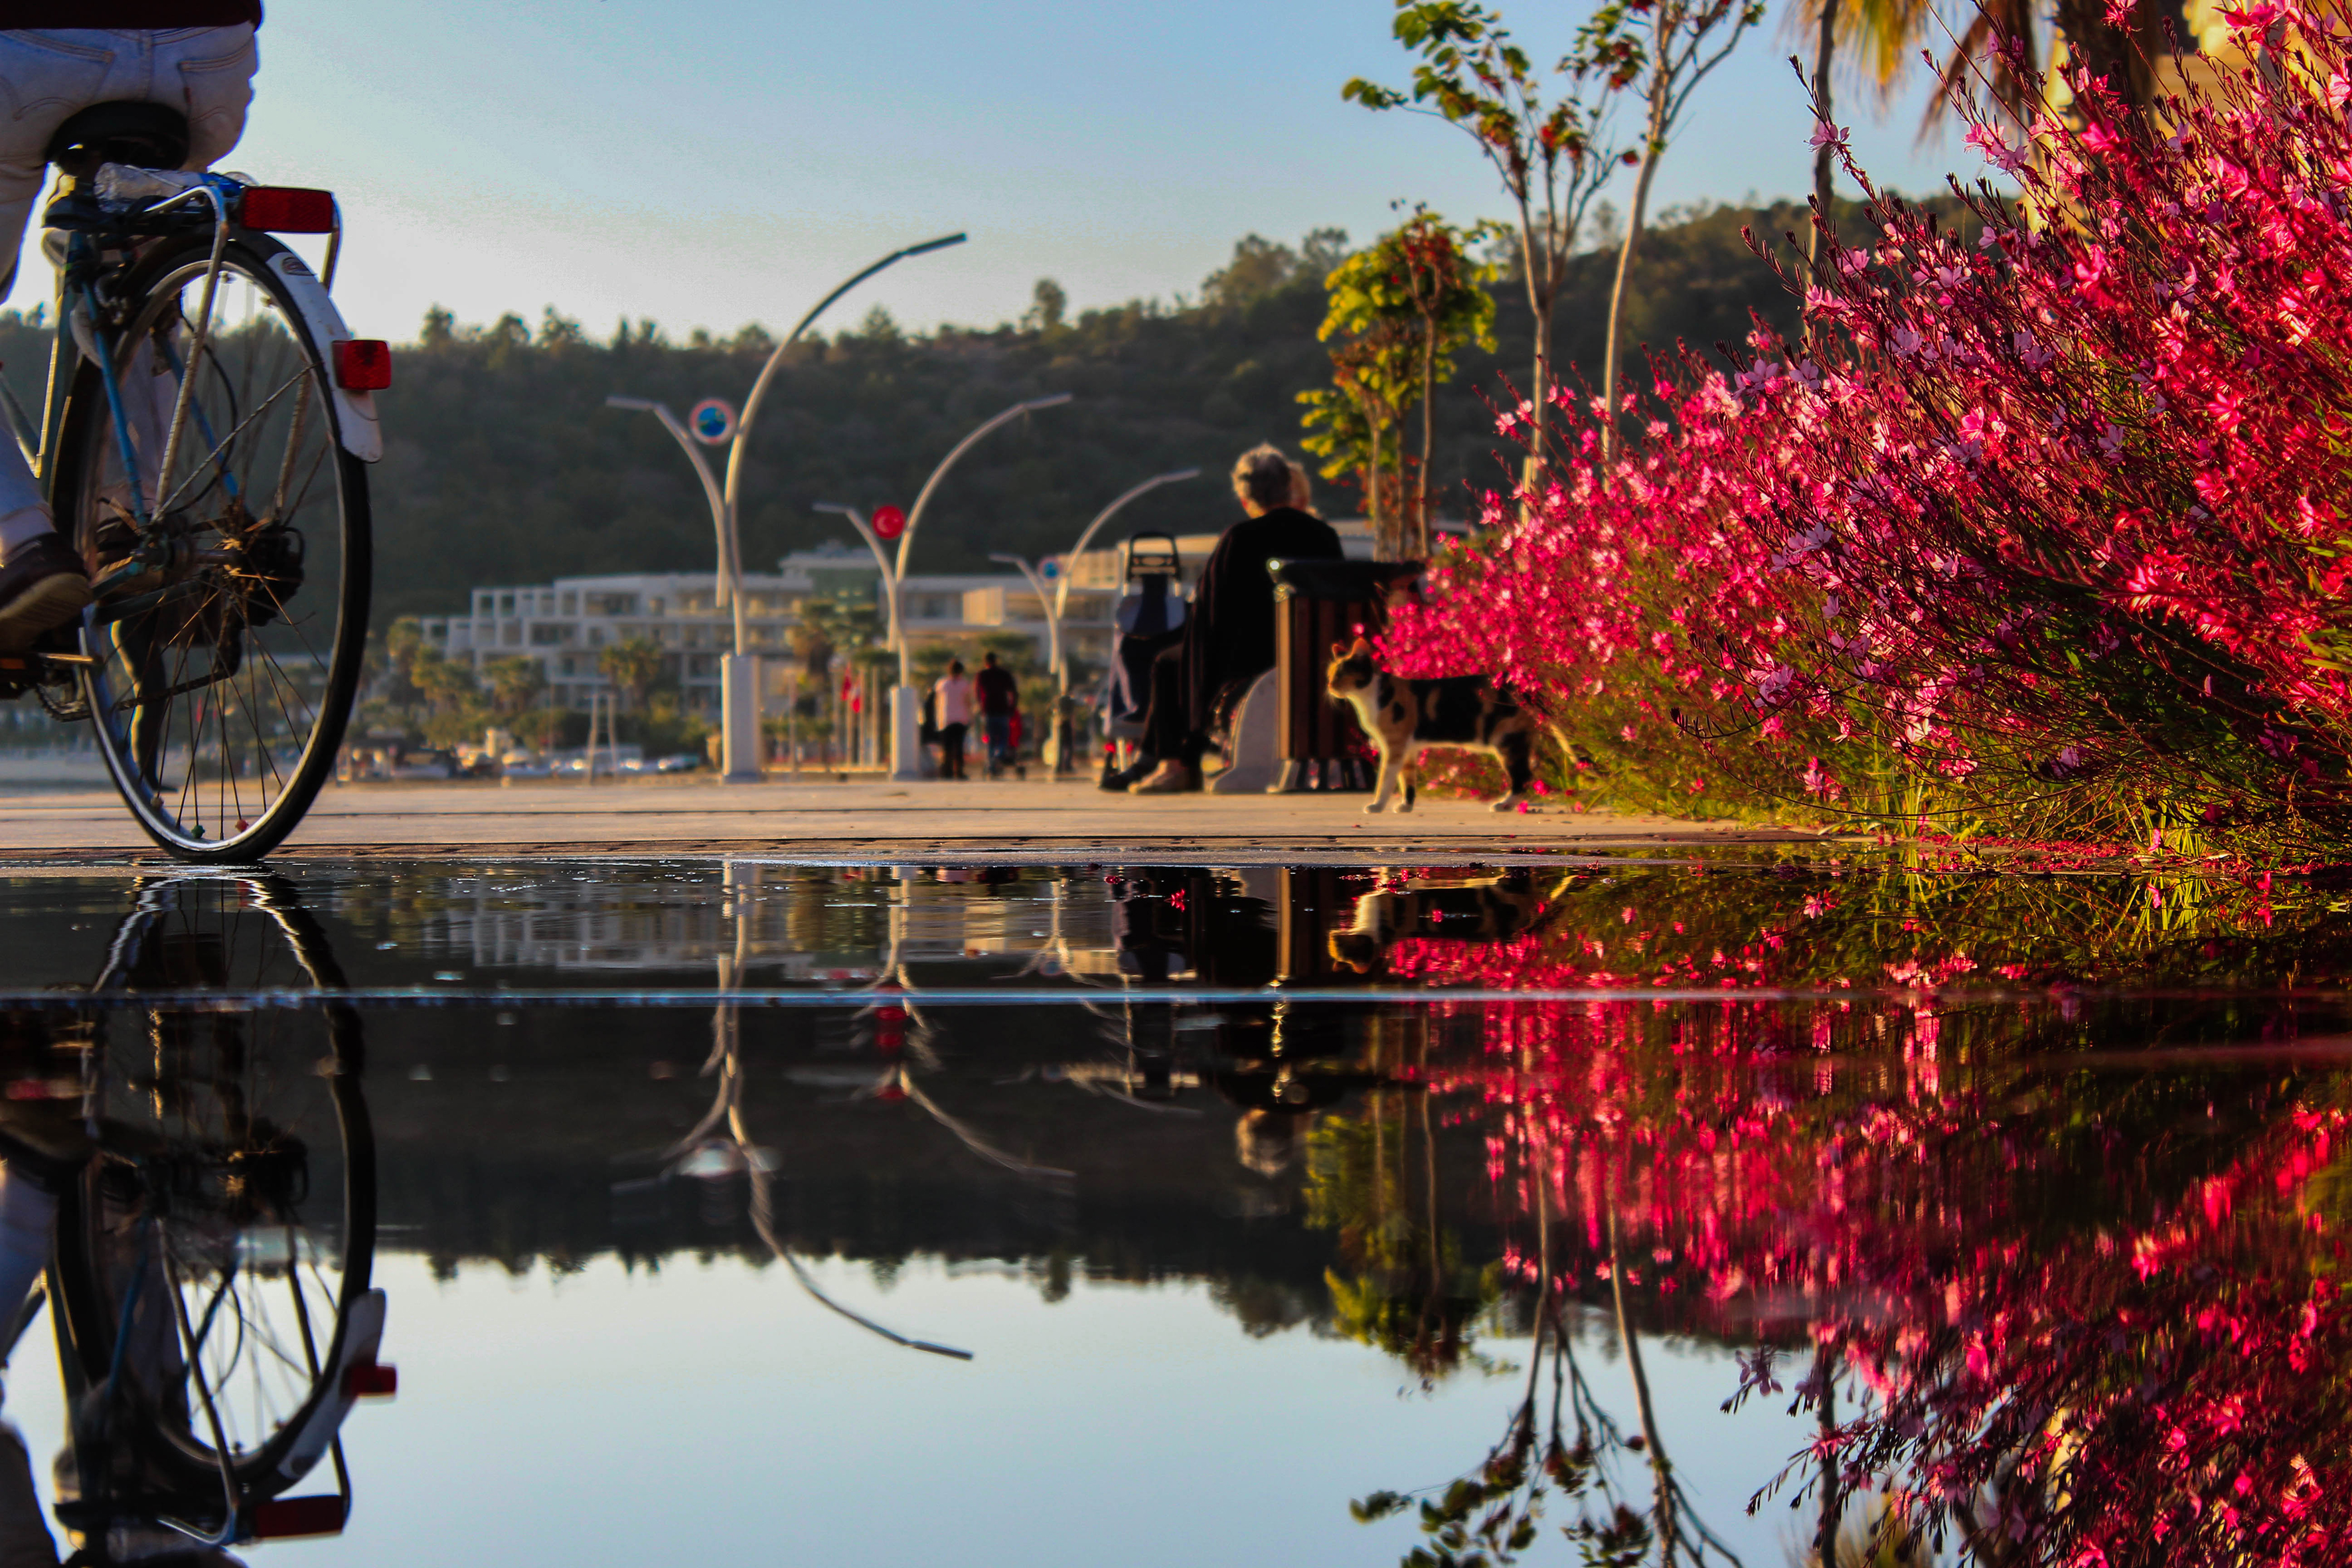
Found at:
<point>1122,779</point>
<point>1168,778</point>
<point>42,586</point>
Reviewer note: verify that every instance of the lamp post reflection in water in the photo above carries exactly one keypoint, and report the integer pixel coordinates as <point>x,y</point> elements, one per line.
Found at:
<point>724,1132</point>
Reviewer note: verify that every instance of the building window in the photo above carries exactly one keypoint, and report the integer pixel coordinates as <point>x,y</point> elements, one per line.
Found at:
<point>570,605</point>
<point>510,635</point>
<point>549,634</point>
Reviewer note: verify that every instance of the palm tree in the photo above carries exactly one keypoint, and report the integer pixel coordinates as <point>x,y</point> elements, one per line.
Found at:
<point>632,664</point>
<point>1880,38</point>
<point>514,680</point>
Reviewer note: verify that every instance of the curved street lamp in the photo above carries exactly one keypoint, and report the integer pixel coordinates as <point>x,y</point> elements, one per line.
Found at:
<point>906,702</point>
<point>739,671</point>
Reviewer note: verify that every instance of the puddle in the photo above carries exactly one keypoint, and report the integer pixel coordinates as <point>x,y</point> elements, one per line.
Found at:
<point>925,1215</point>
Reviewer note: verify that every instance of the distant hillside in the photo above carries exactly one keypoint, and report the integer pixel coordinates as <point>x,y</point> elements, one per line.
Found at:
<point>504,467</point>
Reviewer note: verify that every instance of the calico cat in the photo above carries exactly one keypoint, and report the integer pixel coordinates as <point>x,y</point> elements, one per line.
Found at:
<point>1403,716</point>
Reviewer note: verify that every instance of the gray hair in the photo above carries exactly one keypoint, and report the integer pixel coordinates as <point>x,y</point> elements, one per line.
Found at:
<point>1262,475</point>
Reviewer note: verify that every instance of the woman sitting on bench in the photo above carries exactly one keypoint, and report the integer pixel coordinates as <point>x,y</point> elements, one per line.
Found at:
<point>1228,640</point>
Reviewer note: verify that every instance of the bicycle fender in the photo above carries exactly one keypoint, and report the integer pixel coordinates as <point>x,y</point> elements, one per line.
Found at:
<point>355,419</point>
<point>363,1336</point>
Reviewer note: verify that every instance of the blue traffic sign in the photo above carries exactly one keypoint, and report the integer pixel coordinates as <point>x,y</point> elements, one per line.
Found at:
<point>712,420</point>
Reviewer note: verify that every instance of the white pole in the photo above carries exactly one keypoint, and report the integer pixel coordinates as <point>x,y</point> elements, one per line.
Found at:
<point>738,670</point>
<point>905,703</point>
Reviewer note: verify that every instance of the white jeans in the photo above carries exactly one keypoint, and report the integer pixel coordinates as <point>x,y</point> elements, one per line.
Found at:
<point>48,75</point>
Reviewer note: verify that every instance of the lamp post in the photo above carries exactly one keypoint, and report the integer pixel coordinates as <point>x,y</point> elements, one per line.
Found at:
<point>889,581</point>
<point>1057,736</point>
<point>739,671</point>
<point>749,674</point>
<point>1052,614</point>
<point>906,702</point>
<point>739,737</point>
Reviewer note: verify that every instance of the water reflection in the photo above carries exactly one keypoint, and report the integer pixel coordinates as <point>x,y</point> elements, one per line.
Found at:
<point>2023,1195</point>
<point>196,1183</point>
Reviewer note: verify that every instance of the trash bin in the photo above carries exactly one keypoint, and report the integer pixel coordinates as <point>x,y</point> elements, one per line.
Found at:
<point>1317,603</point>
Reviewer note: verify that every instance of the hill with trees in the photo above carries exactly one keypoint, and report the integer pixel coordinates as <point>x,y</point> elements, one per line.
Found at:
<point>502,465</point>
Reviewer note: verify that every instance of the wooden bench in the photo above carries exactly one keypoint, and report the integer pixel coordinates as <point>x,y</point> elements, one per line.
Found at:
<point>1317,603</point>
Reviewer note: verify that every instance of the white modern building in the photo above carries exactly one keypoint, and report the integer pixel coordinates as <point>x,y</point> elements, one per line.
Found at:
<point>567,624</point>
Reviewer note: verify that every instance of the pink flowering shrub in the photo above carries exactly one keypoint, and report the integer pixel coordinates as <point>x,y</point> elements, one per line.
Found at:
<point>2044,526</point>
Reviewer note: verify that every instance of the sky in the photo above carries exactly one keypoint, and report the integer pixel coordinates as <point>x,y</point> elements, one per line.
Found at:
<point>730,161</point>
<point>611,1417</point>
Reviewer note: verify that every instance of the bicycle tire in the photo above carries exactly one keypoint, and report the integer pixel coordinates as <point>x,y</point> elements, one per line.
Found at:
<point>170,723</point>
<point>175,1450</point>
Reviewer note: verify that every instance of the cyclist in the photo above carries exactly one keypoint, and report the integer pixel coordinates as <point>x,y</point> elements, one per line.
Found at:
<point>58,57</point>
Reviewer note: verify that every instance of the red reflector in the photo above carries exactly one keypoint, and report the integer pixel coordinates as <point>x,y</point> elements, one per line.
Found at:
<point>370,1380</point>
<point>280,1518</point>
<point>363,364</point>
<point>287,209</point>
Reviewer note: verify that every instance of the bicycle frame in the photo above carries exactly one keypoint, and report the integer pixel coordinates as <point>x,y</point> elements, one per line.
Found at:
<point>82,310</point>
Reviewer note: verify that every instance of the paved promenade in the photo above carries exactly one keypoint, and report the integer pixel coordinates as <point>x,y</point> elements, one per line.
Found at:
<point>869,819</point>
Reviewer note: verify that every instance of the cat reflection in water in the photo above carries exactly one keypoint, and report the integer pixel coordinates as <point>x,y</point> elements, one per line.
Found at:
<point>1403,717</point>
<point>1482,912</point>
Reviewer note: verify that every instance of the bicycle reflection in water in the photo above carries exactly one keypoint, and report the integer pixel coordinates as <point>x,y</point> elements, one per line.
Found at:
<point>188,1181</point>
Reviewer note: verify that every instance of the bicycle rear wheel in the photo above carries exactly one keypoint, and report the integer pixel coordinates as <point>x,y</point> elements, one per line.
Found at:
<point>223,676</point>
<point>210,1260</point>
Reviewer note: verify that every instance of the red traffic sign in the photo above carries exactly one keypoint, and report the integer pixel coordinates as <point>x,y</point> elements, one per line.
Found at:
<point>890,523</point>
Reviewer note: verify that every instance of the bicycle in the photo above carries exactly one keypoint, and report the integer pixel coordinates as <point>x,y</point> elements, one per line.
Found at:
<point>210,1276</point>
<point>204,446</point>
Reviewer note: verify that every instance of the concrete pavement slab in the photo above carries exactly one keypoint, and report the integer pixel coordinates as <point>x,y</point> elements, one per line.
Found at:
<point>873,819</point>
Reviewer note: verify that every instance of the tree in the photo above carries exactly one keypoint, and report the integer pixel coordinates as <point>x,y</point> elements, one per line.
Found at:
<point>1259,267</point>
<point>1669,46</point>
<point>632,664</point>
<point>1374,367</point>
<point>1550,156</point>
<point>448,683</point>
<point>1048,302</point>
<point>1402,311</point>
<point>1448,291</point>
<point>514,681</point>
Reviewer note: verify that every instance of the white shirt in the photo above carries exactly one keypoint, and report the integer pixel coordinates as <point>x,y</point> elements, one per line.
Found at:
<point>955,699</point>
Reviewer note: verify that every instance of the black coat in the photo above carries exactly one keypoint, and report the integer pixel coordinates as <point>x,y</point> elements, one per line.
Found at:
<point>1230,635</point>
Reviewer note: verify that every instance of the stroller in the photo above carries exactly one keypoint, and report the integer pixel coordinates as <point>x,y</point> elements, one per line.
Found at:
<point>1149,619</point>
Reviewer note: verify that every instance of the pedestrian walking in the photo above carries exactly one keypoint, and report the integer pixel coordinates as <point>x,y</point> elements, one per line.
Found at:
<point>999,713</point>
<point>954,694</point>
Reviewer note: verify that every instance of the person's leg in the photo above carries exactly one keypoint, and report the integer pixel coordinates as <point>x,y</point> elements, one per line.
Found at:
<point>1168,736</point>
<point>45,78</point>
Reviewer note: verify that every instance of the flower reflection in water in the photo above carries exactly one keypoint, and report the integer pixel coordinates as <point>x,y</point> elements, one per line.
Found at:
<point>2046,1305</point>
